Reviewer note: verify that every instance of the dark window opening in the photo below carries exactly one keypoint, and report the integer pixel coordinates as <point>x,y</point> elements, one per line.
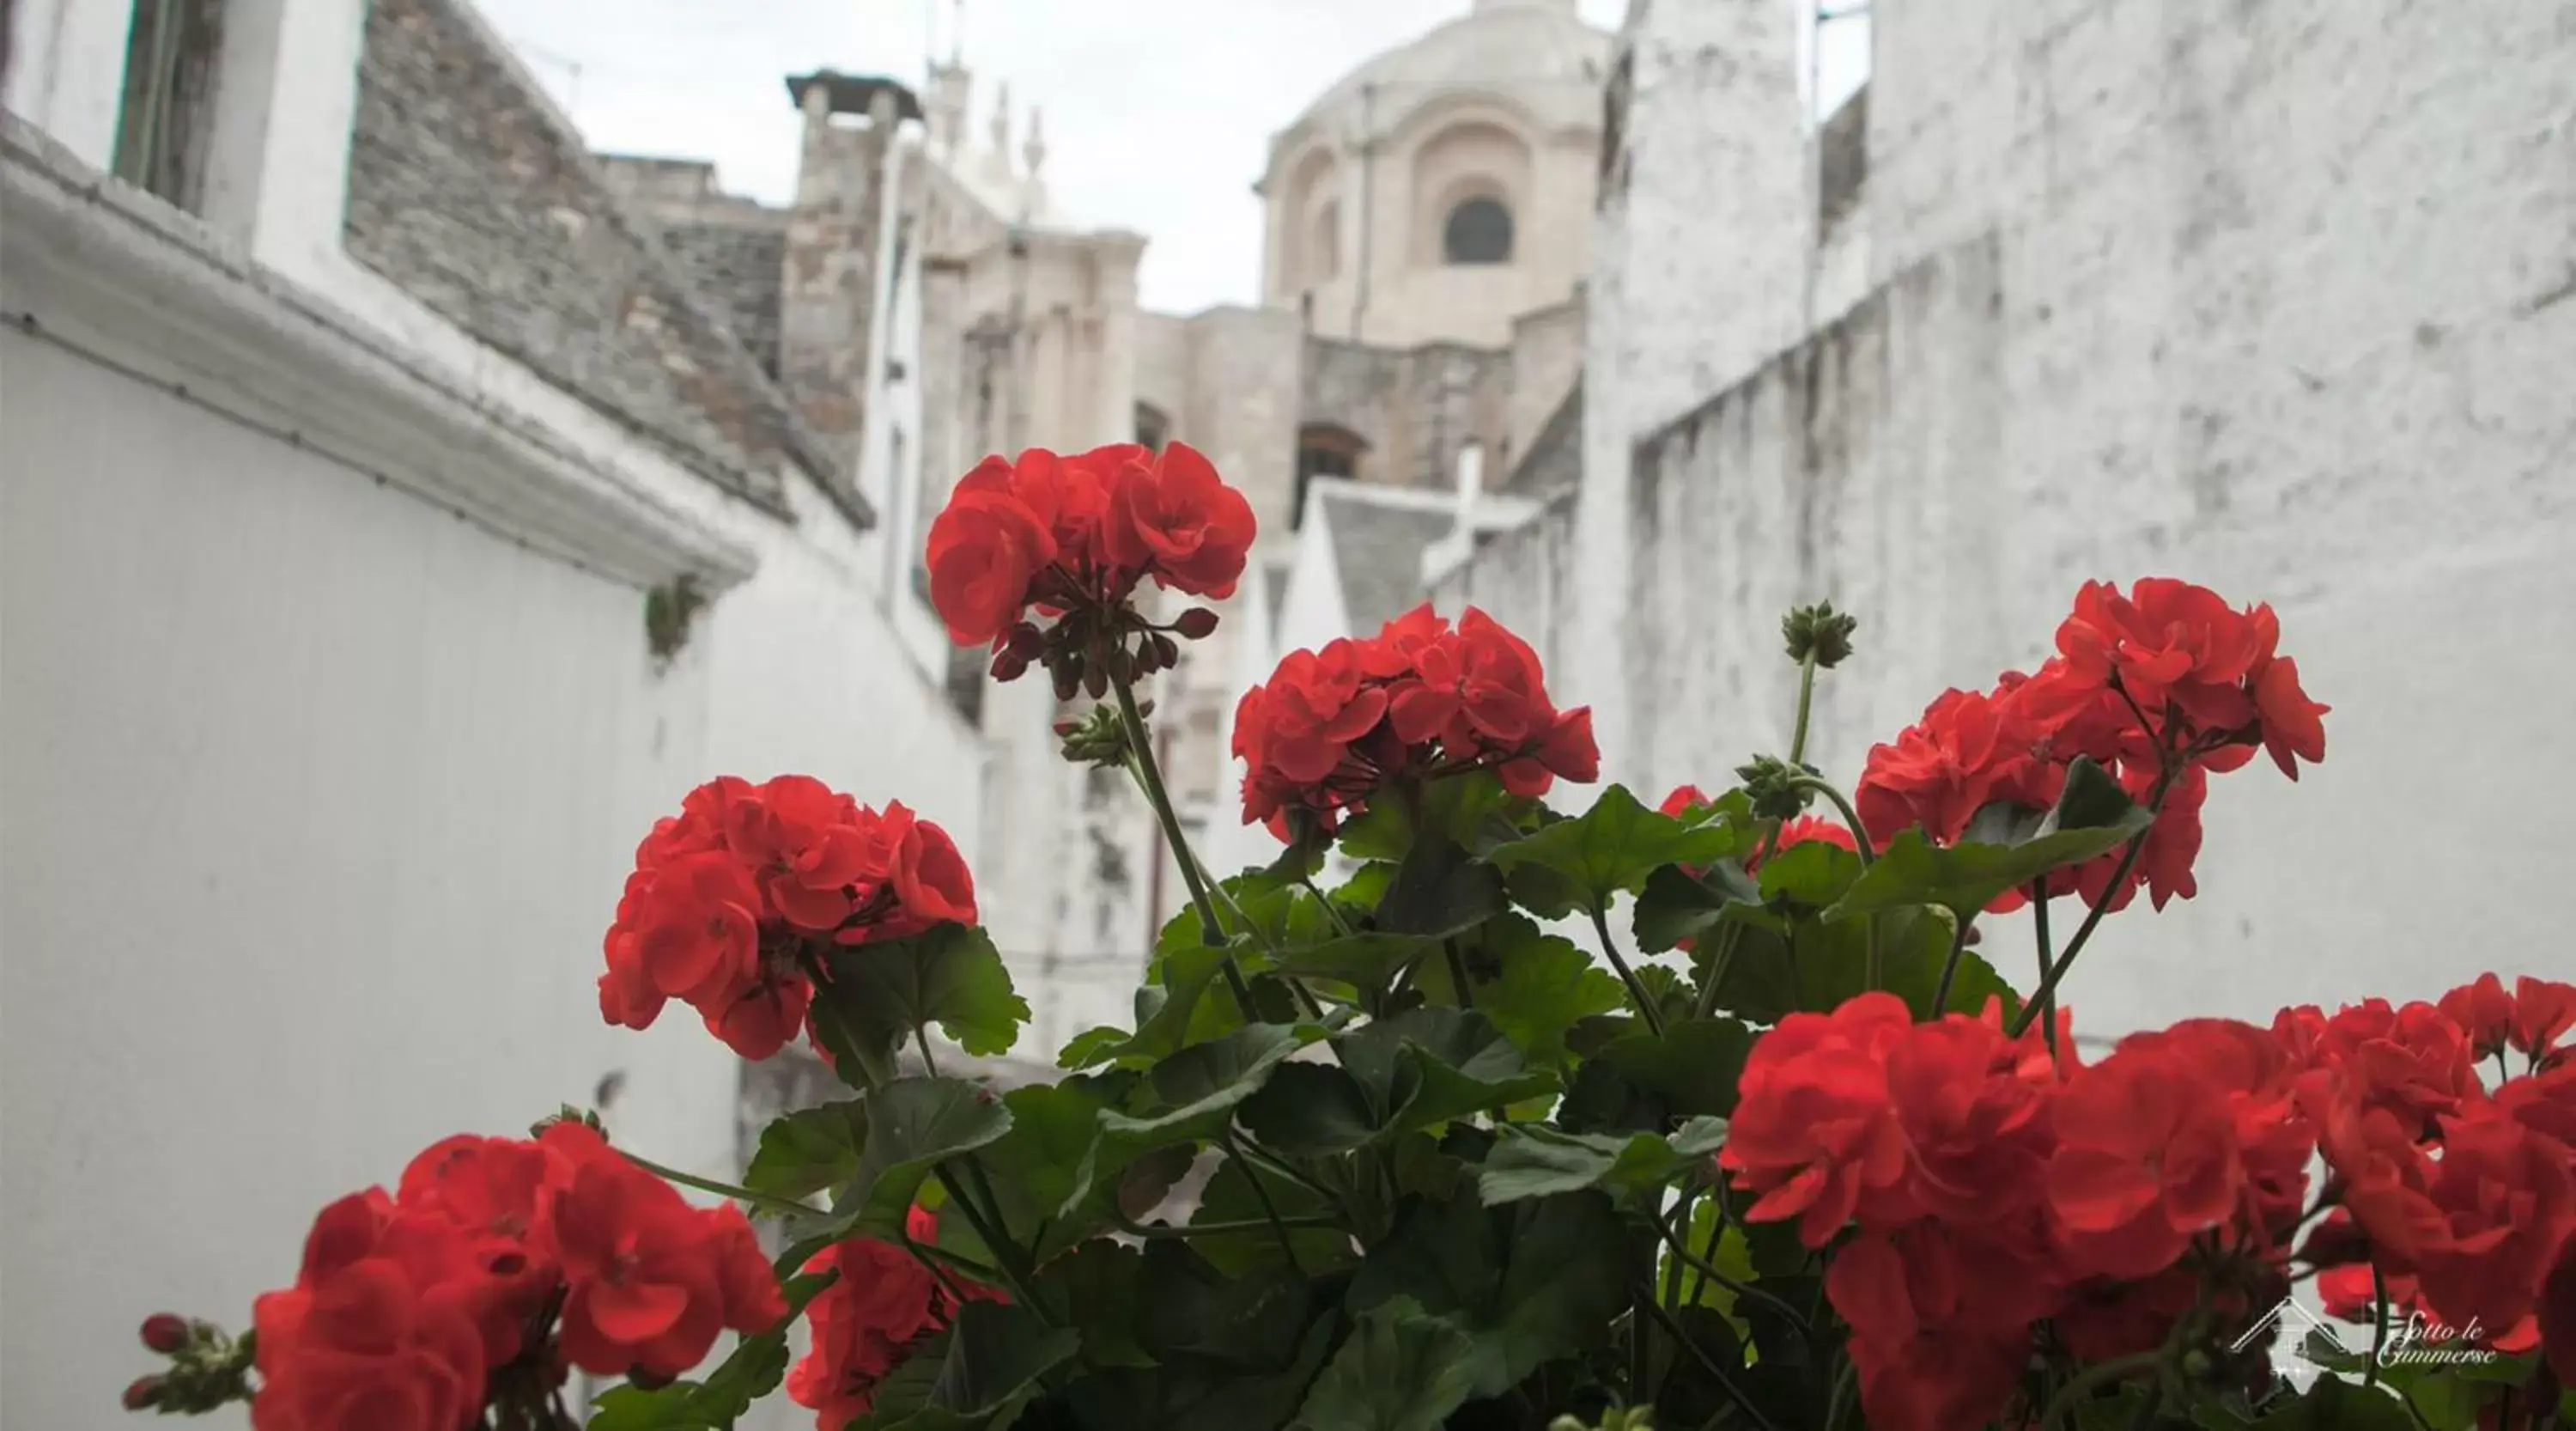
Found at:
<point>169,80</point>
<point>1323,451</point>
<point>1153,429</point>
<point>1478,231</point>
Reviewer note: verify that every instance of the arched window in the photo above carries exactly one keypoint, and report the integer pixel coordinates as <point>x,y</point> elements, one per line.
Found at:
<point>1324,245</point>
<point>1479,230</point>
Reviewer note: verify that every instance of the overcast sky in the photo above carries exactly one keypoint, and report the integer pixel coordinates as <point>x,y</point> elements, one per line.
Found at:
<point>1158,112</point>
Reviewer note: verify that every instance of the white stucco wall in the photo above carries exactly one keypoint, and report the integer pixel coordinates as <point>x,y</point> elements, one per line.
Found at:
<point>2278,299</point>
<point>320,773</point>
<point>317,800</point>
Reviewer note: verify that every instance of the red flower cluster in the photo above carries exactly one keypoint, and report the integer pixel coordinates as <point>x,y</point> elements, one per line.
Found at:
<point>868,1321</point>
<point>497,1263</point>
<point>1417,701</point>
<point>2162,687</point>
<point>1995,1187</point>
<point>727,898</point>
<point>1073,536</point>
<point>2462,1198</point>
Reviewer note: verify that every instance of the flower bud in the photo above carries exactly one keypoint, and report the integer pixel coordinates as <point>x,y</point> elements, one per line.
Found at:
<point>1009,666</point>
<point>1818,630</point>
<point>1026,642</point>
<point>1195,623</point>
<point>567,1114</point>
<point>1167,652</point>
<point>165,1333</point>
<point>143,1394</point>
<point>1767,785</point>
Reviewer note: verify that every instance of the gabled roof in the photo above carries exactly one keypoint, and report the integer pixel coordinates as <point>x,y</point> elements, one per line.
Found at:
<point>469,191</point>
<point>1377,552</point>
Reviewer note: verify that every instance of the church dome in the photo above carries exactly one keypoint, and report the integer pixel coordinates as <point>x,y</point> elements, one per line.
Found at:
<point>1537,53</point>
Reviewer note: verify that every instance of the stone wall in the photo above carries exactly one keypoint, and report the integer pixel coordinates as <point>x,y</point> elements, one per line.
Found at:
<point>467,192</point>
<point>829,291</point>
<point>1415,407</point>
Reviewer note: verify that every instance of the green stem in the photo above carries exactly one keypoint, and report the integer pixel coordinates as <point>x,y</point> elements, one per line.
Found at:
<point>1851,817</point>
<point>921,1040</point>
<point>778,1205</point>
<point>2093,1378</point>
<point>1727,939</point>
<point>1212,1229</point>
<point>1680,1244</point>
<point>2039,929</point>
<point>1717,1222</point>
<point>2046,993</point>
<point>921,1254</point>
<point>1458,973</point>
<point>2379,1323</point>
<point>1700,1354</point>
<point>1150,773</point>
<point>1261,1194</point>
<point>1950,966</point>
<point>1636,991</point>
<point>1332,911</point>
<point>1806,699</point>
<point>1019,1278</point>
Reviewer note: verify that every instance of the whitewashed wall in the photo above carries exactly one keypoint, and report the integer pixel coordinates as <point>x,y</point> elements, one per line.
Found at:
<point>322,758</point>
<point>2278,298</point>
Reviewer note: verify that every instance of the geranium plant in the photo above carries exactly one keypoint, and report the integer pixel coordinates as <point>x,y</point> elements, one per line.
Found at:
<point>1712,1114</point>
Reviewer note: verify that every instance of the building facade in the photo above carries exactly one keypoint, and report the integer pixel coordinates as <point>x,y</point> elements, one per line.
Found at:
<point>390,531</point>
<point>2278,299</point>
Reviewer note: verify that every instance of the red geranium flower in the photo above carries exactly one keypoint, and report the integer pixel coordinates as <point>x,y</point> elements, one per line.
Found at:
<point>1417,701</point>
<point>731,900</point>
<point>378,1330</point>
<point>868,1321</point>
<point>1172,518</point>
<point>648,1281</point>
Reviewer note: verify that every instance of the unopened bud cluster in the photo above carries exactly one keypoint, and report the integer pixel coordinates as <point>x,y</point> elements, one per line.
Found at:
<point>1770,783</point>
<point>1099,738</point>
<point>207,1368</point>
<point>1818,631</point>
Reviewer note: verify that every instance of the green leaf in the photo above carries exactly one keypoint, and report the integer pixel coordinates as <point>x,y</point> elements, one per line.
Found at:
<point>1099,1281</point>
<point>1401,1370</point>
<point>914,1124</point>
<point>809,1150</point>
<point>1612,848</point>
<point>1440,890</point>
<point>996,1350</point>
<point>1545,983</point>
<point>1692,1067</point>
<point>1456,808</point>
<point>1197,1089</point>
<point>1185,1008</point>
<point>950,975</point>
<point>1191,1308</point>
<point>1421,1068</point>
<point>2093,817</point>
<point>1055,1181</point>
<point>2334,1404</point>
<point>1367,963</point>
<point>1676,905</point>
<point>753,1370</point>
<point>1429,1066</point>
<point>1529,1282</point>
<point>1228,1197</point>
<point>1541,1162</point>
<point>1311,1110</point>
